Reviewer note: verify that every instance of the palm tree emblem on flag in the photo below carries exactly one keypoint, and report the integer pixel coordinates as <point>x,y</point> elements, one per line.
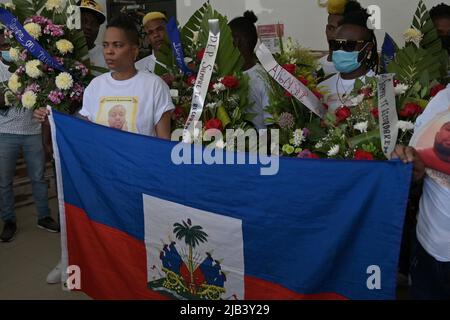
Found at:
<point>189,274</point>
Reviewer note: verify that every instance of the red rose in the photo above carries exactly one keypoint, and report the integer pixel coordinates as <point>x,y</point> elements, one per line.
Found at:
<point>436,89</point>
<point>213,124</point>
<point>200,54</point>
<point>410,110</point>
<point>342,113</point>
<point>230,82</point>
<point>178,112</point>
<point>303,80</point>
<point>363,155</point>
<point>287,94</point>
<point>289,67</point>
<point>191,80</point>
<point>374,112</point>
<point>313,156</point>
<point>318,94</point>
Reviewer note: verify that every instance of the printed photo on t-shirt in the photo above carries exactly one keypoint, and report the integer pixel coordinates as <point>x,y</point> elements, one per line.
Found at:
<point>432,142</point>
<point>118,113</point>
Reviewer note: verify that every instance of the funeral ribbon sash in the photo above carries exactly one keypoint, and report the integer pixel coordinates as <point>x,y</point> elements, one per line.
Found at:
<point>177,47</point>
<point>387,113</point>
<point>203,78</point>
<point>26,41</point>
<point>288,81</point>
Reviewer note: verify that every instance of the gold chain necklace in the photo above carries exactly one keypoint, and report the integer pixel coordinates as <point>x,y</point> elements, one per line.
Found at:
<point>343,88</point>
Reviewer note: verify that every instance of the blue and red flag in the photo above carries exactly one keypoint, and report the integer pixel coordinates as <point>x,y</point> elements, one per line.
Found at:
<point>140,227</point>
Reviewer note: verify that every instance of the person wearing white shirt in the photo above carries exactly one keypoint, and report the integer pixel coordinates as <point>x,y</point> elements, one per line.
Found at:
<point>355,56</point>
<point>430,263</point>
<point>155,27</point>
<point>245,38</point>
<point>143,99</point>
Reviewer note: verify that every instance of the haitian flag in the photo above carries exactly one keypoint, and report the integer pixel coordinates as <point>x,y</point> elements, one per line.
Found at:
<point>140,227</point>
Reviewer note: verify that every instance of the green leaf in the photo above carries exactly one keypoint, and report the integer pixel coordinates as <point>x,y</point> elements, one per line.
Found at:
<point>364,138</point>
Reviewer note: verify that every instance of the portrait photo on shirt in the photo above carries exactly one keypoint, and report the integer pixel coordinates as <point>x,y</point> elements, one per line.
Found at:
<point>118,113</point>
<point>432,143</point>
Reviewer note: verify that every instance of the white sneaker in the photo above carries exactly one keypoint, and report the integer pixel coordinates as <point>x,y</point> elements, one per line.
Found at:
<point>54,276</point>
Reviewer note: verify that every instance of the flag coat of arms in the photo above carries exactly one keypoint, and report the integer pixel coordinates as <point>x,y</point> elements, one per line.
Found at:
<point>139,226</point>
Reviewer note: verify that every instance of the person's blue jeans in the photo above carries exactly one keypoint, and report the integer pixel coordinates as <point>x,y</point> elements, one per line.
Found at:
<point>430,279</point>
<point>33,152</point>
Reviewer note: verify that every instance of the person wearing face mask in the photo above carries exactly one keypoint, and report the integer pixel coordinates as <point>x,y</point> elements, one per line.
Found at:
<point>355,56</point>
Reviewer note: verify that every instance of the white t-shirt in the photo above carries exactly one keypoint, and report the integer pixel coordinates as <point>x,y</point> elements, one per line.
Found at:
<point>258,95</point>
<point>327,66</point>
<point>146,64</point>
<point>433,227</point>
<point>134,105</point>
<point>337,90</point>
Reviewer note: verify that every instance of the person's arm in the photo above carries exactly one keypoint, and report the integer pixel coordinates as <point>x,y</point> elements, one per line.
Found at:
<point>162,128</point>
<point>410,155</point>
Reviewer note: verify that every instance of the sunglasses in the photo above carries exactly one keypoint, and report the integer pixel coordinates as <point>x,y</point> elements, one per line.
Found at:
<point>346,45</point>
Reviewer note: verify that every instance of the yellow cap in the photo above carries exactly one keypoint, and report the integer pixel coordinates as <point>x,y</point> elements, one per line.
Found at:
<point>153,16</point>
<point>94,6</point>
<point>334,6</point>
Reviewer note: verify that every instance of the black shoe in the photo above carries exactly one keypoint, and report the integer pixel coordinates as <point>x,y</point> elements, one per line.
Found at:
<point>9,231</point>
<point>48,224</point>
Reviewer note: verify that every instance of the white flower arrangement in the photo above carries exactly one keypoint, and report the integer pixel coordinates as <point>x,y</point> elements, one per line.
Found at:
<point>14,53</point>
<point>400,89</point>
<point>13,83</point>
<point>33,29</point>
<point>405,125</point>
<point>333,151</point>
<point>57,5</point>
<point>64,81</point>
<point>413,35</point>
<point>32,68</point>
<point>64,46</point>
<point>361,126</point>
<point>29,99</point>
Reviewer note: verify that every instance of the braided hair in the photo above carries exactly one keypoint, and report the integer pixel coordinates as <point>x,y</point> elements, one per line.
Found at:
<point>245,26</point>
<point>357,15</point>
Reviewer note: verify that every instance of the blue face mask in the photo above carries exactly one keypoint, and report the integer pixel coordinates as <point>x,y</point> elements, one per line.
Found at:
<point>346,62</point>
<point>6,57</point>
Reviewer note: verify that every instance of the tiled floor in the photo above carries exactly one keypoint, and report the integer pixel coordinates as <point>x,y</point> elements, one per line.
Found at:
<point>26,261</point>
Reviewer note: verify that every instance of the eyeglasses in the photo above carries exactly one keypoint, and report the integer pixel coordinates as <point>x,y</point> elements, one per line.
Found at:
<point>346,45</point>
